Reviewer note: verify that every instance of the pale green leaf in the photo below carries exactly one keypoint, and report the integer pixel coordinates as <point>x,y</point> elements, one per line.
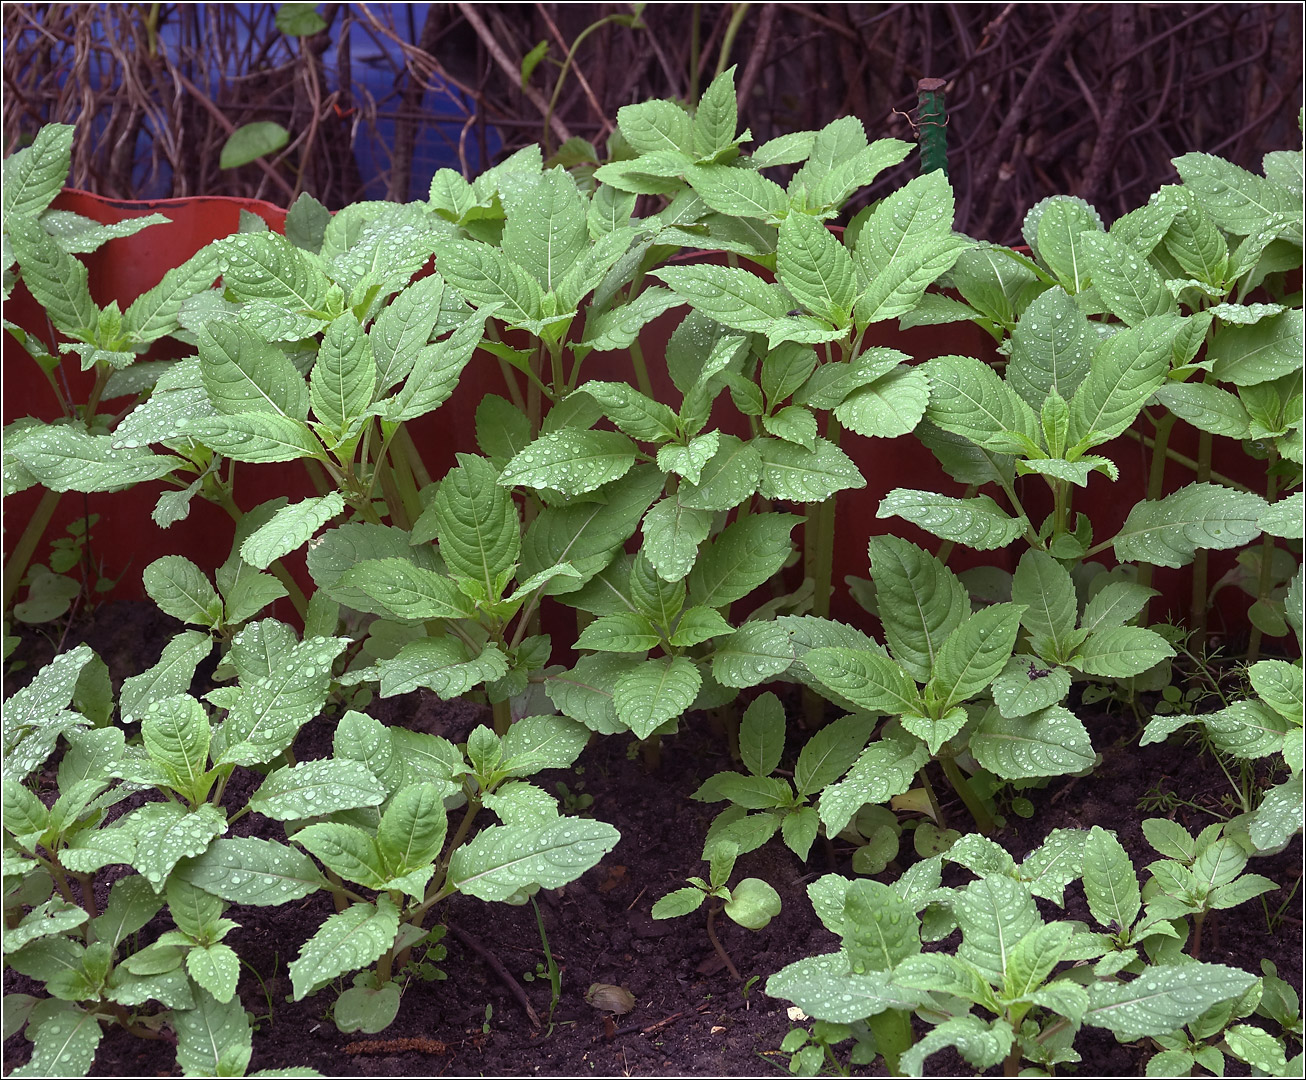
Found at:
<point>348,940</point>
<point>1050,742</point>
<point>978,523</point>
<point>1168,532</point>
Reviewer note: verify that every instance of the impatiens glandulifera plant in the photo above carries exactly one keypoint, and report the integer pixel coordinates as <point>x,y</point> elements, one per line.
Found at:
<point>941,658</point>
<point>1011,963</point>
<point>777,804</point>
<point>40,245</point>
<point>752,903</point>
<point>55,932</point>
<point>1267,724</point>
<point>1201,259</point>
<point>374,814</point>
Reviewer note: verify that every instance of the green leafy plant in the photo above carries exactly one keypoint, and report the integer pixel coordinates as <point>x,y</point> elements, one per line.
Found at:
<point>1009,961</point>
<point>752,902</point>
<point>1267,724</point>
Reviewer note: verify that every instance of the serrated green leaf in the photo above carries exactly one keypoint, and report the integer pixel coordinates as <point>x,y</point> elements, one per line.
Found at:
<point>290,528</point>
<point>1163,999</point>
<point>968,399</point>
<point>443,665</point>
<point>1050,348</point>
<point>732,296</point>
<point>64,1040</point>
<point>1125,282</point>
<point>738,192</point>
<point>792,472</point>
<point>887,407</point>
<point>344,377</point>
<point>829,753</point>
<point>313,788</point>
<point>672,534</point>
<point>825,987</point>
<point>762,735</point>
<point>56,280</point>
<point>656,125</point>
<point>1110,884</point>
<point>699,624</point>
<point>167,833</point>
<point>1050,742</point>
<point>871,681</point>
<point>572,462</point>
<point>974,653</point>
<point>269,712</point>
<point>678,902</point>
<point>716,117</point>
<point>181,590</point>
<point>1268,349</point>
<point>619,327</point>
<point>994,914</point>
<point>255,437</point>
<point>476,523</point>
<point>621,632</point>
<point>407,591</point>
<point>982,1044</point>
<point>64,458</point>
<point>658,690</point>
<point>884,769</point>
<point>638,416</point>
<point>176,733</point>
<point>348,940</point>
<point>435,371</point>
<point>1051,607</point>
<point>34,175</point>
<point>753,654</point>
<point>587,534</point>
<point>816,269</point>
<point>1236,200</point>
<point>923,602</point>
<point>728,477</point>
<point>1017,692</point>
<point>905,246</point>
<point>1120,652</point>
<point>1056,228</point>
<point>504,860</point>
<point>979,523</point>
<point>745,555</point>
<point>1168,532</point>
<point>262,873</point>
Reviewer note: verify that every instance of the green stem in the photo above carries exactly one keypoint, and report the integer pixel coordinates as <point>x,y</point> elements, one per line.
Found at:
<point>1201,561</point>
<point>983,819</point>
<point>1159,446</point>
<point>21,556</point>
<point>1266,579</point>
<point>405,480</point>
<point>502,711</point>
<point>818,564</point>
<point>404,439</point>
<point>939,818</point>
<point>642,381</point>
<point>534,407</point>
<point>562,75</point>
<point>728,41</point>
<point>294,592</point>
<point>716,944</point>
<point>893,1036</point>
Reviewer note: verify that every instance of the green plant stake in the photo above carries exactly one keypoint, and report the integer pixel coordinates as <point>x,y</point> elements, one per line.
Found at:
<point>932,125</point>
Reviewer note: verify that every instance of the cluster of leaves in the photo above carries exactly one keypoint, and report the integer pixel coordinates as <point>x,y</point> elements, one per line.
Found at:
<point>373,815</point>
<point>1037,982</point>
<point>659,522</point>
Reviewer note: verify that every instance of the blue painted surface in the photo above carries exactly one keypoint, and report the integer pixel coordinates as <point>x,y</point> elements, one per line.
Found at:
<point>377,68</point>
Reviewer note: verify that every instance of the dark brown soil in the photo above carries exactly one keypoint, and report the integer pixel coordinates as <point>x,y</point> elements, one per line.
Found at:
<point>691,1017</point>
